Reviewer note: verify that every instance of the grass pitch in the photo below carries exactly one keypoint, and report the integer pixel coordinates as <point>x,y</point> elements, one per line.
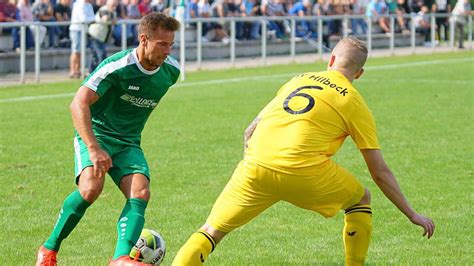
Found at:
<point>423,106</point>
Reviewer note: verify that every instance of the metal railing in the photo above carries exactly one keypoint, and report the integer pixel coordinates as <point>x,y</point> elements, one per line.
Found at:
<point>317,21</point>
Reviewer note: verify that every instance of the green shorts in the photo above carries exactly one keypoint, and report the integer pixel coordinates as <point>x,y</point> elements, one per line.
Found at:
<point>127,158</point>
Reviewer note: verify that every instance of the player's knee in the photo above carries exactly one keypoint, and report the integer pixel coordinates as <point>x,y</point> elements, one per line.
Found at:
<point>90,194</point>
<point>366,198</point>
<point>143,193</point>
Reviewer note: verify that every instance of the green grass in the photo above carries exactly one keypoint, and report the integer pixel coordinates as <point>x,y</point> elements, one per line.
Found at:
<point>193,141</point>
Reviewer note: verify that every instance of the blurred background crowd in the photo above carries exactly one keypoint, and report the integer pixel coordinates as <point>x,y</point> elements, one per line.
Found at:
<point>112,11</point>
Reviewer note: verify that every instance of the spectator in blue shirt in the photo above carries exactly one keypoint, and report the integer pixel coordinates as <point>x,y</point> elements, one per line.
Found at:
<point>192,9</point>
<point>375,10</point>
<point>251,29</point>
<point>301,9</point>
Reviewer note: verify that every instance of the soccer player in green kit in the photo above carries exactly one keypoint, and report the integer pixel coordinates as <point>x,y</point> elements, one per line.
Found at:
<point>109,113</point>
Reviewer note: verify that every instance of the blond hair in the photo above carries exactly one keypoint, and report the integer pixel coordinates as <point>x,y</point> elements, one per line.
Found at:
<point>351,53</point>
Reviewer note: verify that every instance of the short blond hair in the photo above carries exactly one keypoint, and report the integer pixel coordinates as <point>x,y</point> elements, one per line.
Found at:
<point>351,53</point>
<point>356,43</point>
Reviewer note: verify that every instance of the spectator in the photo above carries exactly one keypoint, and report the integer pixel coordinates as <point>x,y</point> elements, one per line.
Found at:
<point>97,4</point>
<point>441,7</point>
<point>43,11</point>
<point>144,7</point>
<point>376,10</point>
<point>321,8</point>
<point>287,5</point>
<point>82,12</point>
<point>100,32</point>
<point>133,12</point>
<point>251,29</point>
<point>25,14</point>
<point>416,5</point>
<point>158,6</point>
<point>7,14</point>
<point>62,12</point>
<point>391,5</point>
<point>335,25</point>
<point>359,8</point>
<point>192,9</point>
<point>274,8</point>
<point>205,11</point>
<point>121,12</point>
<point>394,9</point>
<point>122,9</point>
<point>218,32</point>
<point>346,9</point>
<point>301,9</point>
<point>232,8</point>
<point>461,10</point>
<point>7,11</point>
<point>404,7</point>
<point>422,24</point>
<point>174,8</point>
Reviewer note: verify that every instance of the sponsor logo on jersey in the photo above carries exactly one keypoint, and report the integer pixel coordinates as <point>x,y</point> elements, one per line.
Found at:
<point>133,88</point>
<point>138,101</point>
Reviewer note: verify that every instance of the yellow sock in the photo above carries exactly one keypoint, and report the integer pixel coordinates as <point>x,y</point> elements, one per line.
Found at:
<point>356,234</point>
<point>196,250</point>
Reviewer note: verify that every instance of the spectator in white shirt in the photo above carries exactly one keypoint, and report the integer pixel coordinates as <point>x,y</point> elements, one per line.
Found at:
<point>82,12</point>
<point>461,10</point>
<point>422,23</point>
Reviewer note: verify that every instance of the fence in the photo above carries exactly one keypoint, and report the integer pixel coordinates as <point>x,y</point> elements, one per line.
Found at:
<point>317,21</point>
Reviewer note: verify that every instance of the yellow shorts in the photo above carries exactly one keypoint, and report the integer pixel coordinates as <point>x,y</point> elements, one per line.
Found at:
<point>253,188</point>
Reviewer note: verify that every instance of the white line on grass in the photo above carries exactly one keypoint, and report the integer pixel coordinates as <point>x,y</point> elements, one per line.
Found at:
<point>218,81</point>
<point>458,81</point>
<point>38,97</point>
<point>421,63</point>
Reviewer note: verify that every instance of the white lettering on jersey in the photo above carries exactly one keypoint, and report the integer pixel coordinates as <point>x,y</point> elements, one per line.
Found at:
<point>133,88</point>
<point>140,102</point>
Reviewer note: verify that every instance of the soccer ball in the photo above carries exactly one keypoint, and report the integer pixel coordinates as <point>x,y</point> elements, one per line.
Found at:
<point>150,248</point>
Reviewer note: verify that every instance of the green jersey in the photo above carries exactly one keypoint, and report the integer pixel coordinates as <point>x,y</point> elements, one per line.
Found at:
<point>128,93</point>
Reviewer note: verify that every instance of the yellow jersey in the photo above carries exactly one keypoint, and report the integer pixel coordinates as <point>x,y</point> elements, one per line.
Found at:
<point>307,122</point>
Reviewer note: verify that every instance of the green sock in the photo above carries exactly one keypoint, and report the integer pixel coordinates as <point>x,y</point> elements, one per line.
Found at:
<point>73,209</point>
<point>129,226</point>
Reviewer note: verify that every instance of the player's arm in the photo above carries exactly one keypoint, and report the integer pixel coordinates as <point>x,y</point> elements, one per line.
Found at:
<point>82,120</point>
<point>386,181</point>
<point>250,129</point>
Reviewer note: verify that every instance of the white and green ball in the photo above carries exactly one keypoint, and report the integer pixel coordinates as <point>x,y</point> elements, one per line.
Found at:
<point>150,248</point>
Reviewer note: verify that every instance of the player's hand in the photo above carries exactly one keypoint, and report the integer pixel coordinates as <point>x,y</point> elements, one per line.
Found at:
<point>425,222</point>
<point>246,139</point>
<point>247,134</point>
<point>249,131</point>
<point>101,160</point>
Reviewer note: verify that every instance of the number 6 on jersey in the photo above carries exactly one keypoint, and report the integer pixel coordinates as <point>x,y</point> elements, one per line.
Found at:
<point>296,93</point>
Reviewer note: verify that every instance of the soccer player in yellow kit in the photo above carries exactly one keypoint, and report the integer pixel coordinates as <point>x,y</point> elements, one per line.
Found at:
<point>288,150</point>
